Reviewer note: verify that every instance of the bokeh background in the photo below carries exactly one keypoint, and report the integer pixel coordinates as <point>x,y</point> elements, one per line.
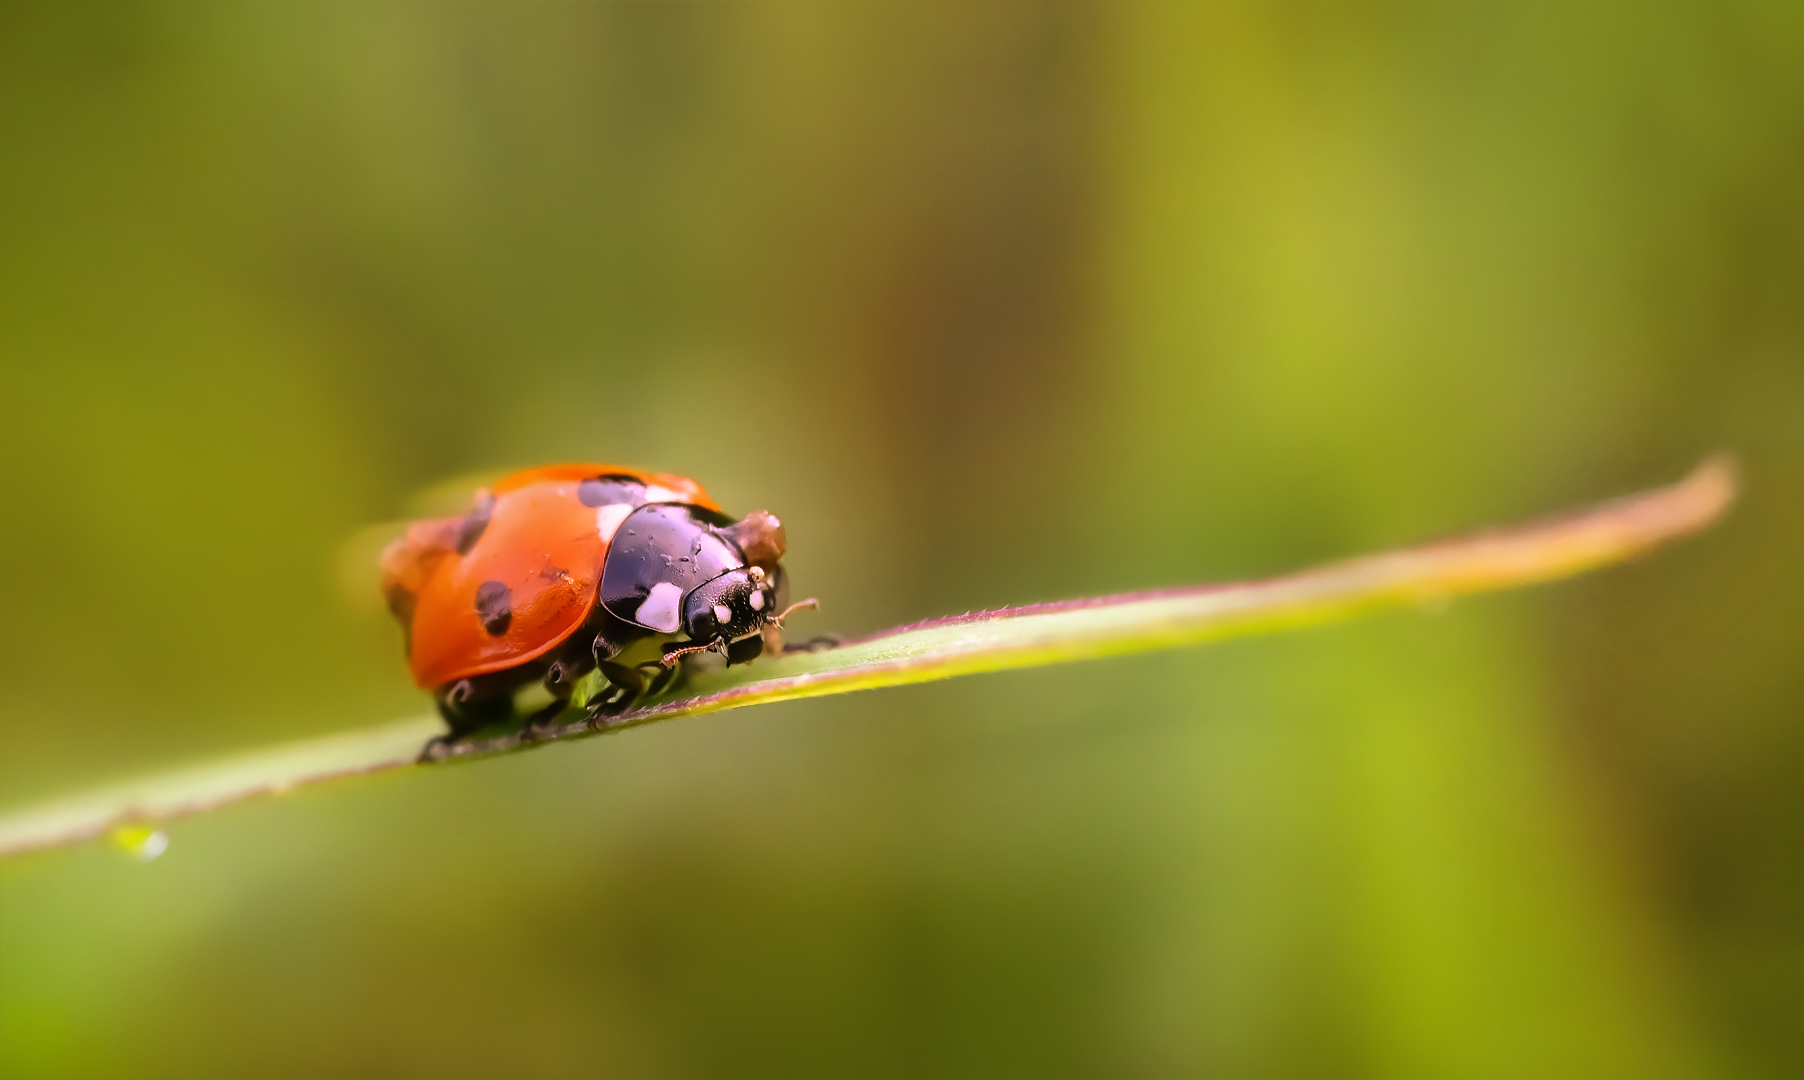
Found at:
<point>994,303</point>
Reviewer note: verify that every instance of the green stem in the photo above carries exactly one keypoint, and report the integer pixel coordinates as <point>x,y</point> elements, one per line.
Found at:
<point>961,645</point>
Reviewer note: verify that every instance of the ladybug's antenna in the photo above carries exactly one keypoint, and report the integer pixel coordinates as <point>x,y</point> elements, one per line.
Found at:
<point>777,619</point>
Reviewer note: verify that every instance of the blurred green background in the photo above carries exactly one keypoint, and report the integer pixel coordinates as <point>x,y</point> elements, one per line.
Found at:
<point>994,303</point>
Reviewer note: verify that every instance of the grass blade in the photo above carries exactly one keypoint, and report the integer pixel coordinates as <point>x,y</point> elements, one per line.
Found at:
<point>961,645</point>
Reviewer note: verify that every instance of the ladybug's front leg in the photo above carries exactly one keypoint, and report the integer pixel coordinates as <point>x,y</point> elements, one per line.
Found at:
<point>817,643</point>
<point>625,686</point>
<point>775,645</point>
<point>628,686</point>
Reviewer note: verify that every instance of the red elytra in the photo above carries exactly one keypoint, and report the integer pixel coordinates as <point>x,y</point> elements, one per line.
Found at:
<point>540,541</point>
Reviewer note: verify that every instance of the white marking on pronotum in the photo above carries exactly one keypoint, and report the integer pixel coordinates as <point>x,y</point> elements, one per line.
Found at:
<point>711,549</point>
<point>757,600</point>
<point>659,611</point>
<point>723,614</point>
<point>608,519</point>
<point>659,493</point>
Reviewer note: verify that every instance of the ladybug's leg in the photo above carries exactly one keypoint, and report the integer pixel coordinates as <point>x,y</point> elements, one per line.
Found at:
<point>538,725</point>
<point>773,630</point>
<point>560,679</point>
<point>625,686</point>
<point>467,706</point>
<point>661,677</point>
<point>630,685</point>
<point>817,643</point>
<point>470,704</point>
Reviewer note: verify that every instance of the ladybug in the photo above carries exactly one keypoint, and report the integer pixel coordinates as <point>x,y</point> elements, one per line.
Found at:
<point>559,572</point>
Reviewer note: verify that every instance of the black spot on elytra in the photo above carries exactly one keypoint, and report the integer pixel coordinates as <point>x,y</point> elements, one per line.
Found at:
<point>610,490</point>
<point>495,606</point>
<point>475,522</point>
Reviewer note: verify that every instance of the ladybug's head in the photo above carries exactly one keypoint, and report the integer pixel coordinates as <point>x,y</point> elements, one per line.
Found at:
<point>734,605</point>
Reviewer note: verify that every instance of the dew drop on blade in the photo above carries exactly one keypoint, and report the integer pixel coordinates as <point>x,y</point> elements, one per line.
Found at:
<point>141,841</point>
